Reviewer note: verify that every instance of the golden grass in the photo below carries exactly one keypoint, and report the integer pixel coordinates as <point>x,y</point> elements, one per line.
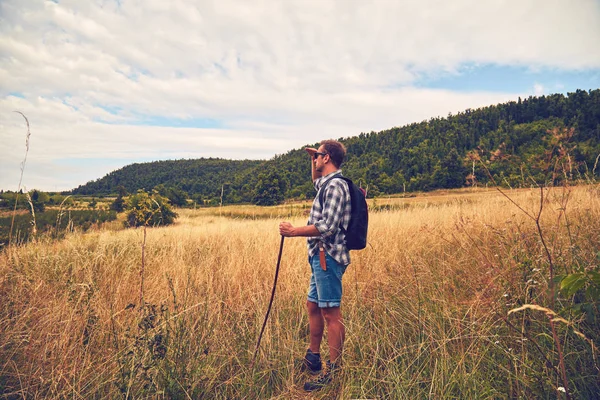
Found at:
<point>423,304</point>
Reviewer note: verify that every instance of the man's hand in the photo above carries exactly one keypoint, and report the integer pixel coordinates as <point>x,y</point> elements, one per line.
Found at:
<point>311,151</point>
<point>314,173</point>
<point>286,229</point>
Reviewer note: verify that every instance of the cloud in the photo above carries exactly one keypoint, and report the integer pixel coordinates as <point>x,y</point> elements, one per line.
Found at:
<point>272,75</point>
<point>538,89</point>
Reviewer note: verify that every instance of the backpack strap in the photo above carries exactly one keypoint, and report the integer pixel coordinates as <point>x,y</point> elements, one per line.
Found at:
<point>322,188</point>
<point>322,193</point>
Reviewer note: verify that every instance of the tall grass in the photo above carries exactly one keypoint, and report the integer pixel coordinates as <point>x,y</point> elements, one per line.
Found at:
<point>27,136</point>
<point>426,306</point>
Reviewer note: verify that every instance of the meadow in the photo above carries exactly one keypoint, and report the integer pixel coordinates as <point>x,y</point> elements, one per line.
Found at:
<point>174,312</point>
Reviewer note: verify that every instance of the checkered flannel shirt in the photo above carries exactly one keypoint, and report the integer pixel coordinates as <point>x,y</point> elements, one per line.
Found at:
<point>330,218</point>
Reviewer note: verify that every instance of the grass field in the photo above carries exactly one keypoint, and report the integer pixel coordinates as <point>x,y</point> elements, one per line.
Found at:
<point>426,305</point>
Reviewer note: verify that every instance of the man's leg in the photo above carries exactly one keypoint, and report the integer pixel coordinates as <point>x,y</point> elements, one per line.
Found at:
<point>316,326</point>
<point>336,333</point>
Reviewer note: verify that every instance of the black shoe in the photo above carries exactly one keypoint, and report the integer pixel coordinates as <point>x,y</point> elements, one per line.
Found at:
<point>324,379</point>
<point>312,363</point>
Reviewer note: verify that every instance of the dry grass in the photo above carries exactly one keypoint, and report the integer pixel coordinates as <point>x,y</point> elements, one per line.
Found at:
<point>424,305</point>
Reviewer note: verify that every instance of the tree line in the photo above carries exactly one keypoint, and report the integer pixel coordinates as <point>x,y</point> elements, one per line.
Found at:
<point>432,154</point>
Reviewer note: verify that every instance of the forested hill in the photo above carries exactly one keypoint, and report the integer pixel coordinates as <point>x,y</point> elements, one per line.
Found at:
<point>420,156</point>
<point>201,176</point>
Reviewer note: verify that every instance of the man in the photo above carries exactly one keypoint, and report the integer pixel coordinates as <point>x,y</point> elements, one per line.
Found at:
<point>328,257</point>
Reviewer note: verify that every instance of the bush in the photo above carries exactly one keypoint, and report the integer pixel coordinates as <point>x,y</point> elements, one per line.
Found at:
<point>149,210</point>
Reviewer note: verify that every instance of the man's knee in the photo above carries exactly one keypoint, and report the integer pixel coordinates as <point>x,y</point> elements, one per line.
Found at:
<point>331,314</point>
<point>313,308</point>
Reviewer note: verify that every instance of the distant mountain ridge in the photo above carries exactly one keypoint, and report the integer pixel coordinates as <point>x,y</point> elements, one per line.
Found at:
<point>419,156</point>
<point>204,176</point>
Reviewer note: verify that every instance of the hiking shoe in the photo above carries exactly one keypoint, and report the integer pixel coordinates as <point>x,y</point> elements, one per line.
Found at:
<point>312,363</point>
<point>324,379</point>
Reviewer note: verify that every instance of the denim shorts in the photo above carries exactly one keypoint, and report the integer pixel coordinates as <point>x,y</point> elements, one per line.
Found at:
<point>325,287</point>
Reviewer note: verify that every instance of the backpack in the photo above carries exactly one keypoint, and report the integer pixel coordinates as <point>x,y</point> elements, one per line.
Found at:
<point>356,235</point>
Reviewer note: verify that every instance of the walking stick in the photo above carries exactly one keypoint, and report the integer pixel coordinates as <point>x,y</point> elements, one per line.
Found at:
<point>270,303</point>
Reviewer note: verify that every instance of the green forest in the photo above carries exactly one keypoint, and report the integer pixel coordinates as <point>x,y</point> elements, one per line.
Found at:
<point>513,138</point>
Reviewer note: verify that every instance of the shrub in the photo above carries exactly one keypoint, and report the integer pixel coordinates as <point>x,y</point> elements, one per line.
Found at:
<point>145,209</point>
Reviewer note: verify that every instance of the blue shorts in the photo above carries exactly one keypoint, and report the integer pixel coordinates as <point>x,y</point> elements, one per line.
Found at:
<point>325,287</point>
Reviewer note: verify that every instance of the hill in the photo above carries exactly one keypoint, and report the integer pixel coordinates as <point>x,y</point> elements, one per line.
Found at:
<point>204,176</point>
<point>421,156</point>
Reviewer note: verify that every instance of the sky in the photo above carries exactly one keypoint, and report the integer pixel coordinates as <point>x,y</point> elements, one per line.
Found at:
<point>107,83</point>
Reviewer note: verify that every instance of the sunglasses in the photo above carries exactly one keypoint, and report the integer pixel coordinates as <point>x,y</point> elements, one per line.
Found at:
<point>317,154</point>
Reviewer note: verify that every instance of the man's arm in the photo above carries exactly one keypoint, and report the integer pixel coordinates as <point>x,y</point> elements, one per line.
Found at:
<point>333,210</point>
<point>314,173</point>
<point>286,229</point>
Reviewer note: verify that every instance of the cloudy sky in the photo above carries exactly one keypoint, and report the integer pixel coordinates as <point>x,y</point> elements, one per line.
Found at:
<point>106,83</point>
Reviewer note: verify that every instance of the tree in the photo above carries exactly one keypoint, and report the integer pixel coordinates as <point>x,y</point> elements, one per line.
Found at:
<point>149,210</point>
<point>39,200</point>
<point>270,189</point>
<point>119,204</point>
<point>385,183</point>
<point>177,197</point>
<point>449,172</point>
<point>121,191</point>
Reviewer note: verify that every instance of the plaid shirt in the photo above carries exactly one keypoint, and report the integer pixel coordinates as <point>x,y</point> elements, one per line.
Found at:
<point>330,217</point>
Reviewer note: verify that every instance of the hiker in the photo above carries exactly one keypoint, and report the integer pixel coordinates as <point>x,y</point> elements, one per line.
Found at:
<point>328,257</point>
